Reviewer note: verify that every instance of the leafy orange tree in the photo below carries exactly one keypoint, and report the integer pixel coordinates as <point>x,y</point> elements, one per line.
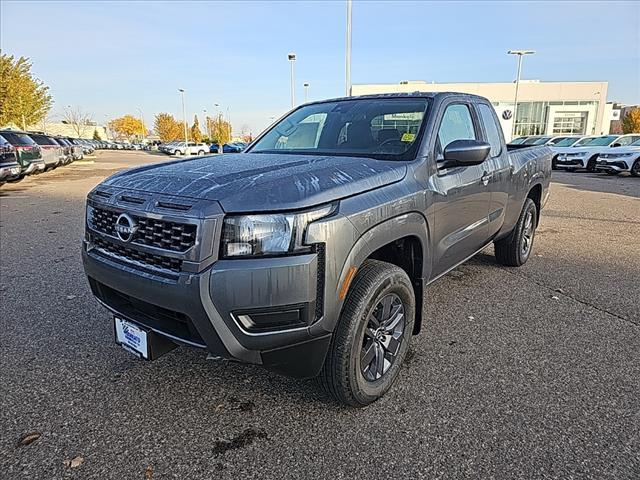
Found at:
<point>220,131</point>
<point>167,127</point>
<point>127,127</point>
<point>631,121</point>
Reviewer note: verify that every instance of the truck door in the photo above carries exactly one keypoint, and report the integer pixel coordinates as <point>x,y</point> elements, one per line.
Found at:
<point>461,197</point>
<point>498,167</point>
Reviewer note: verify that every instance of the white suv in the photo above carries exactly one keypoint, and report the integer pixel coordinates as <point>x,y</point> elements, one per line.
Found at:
<point>190,148</point>
<point>584,156</point>
<point>623,159</point>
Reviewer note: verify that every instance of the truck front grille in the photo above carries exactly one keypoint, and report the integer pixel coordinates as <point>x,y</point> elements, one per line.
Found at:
<point>174,236</point>
<point>144,258</point>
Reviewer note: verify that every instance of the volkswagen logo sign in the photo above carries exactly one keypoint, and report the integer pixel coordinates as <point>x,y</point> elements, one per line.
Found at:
<point>507,114</point>
<point>125,227</point>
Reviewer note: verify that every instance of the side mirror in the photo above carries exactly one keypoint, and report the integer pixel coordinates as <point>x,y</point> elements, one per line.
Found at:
<point>464,153</point>
<point>616,145</point>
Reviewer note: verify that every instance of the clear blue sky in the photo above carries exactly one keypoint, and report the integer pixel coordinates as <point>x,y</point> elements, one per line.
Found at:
<point>113,57</point>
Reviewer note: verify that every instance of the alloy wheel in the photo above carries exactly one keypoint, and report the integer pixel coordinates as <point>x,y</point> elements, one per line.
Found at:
<point>527,234</point>
<point>383,337</point>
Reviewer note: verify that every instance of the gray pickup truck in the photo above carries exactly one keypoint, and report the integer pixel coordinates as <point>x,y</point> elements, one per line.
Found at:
<point>310,252</point>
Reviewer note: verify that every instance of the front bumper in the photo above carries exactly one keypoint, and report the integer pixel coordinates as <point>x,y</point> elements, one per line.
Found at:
<point>617,166</point>
<point>570,163</point>
<point>205,309</point>
<point>9,172</point>
<point>35,166</point>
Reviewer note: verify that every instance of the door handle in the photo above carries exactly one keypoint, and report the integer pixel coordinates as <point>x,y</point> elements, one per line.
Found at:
<point>485,178</point>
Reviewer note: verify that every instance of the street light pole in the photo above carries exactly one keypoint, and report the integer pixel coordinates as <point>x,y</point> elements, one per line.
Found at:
<point>142,122</point>
<point>306,91</point>
<point>292,59</point>
<point>206,121</point>
<point>520,54</point>
<point>347,59</point>
<point>184,118</point>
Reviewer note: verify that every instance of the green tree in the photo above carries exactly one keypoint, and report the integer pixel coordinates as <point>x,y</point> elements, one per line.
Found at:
<point>96,135</point>
<point>631,121</point>
<point>196,134</point>
<point>24,99</point>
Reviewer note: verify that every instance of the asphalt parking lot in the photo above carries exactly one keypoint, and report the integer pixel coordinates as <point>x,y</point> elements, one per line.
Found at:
<point>519,373</point>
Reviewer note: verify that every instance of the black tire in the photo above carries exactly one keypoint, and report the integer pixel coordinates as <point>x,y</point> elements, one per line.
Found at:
<point>554,163</point>
<point>343,375</point>
<point>591,164</point>
<point>635,169</point>
<point>515,249</point>
<point>201,152</point>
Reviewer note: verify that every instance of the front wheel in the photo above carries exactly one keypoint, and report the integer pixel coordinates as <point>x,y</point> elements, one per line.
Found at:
<point>591,164</point>
<point>514,250</point>
<point>372,335</point>
<point>635,169</point>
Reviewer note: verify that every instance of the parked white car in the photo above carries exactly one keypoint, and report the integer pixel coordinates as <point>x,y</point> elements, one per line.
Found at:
<point>584,156</point>
<point>190,148</point>
<point>623,159</point>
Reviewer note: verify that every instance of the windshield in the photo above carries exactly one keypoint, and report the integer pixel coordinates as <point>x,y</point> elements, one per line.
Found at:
<point>600,141</point>
<point>18,139</point>
<point>381,128</point>
<point>566,142</point>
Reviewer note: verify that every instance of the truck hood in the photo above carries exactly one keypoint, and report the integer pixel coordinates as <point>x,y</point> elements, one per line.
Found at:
<point>250,182</point>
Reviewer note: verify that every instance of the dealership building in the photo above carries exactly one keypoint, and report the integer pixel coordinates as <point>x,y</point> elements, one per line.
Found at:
<point>544,108</point>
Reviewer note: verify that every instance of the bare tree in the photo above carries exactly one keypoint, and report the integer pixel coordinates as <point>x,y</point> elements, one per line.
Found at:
<point>78,119</point>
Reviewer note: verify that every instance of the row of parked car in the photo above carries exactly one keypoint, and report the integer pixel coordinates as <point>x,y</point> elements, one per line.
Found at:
<point>199,148</point>
<point>611,154</point>
<point>28,153</point>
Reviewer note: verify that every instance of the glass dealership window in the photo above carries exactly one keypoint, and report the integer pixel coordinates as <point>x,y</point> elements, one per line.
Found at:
<point>532,118</point>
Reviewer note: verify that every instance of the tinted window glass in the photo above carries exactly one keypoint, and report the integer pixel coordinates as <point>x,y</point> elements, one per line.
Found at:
<point>542,140</point>
<point>383,128</point>
<point>456,125</point>
<point>600,141</point>
<point>493,134</point>
<point>41,139</point>
<point>624,141</point>
<point>565,142</point>
<point>18,138</point>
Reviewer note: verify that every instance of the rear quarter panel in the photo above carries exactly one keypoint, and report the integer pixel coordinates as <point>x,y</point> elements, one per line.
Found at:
<point>530,167</point>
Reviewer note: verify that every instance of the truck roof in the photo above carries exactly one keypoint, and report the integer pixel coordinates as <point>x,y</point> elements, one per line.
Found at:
<point>415,94</point>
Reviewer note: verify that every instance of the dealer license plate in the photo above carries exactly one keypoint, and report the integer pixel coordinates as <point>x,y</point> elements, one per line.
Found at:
<point>131,337</point>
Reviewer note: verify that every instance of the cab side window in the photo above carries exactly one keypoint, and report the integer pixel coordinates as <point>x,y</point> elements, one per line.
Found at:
<point>493,134</point>
<point>456,124</point>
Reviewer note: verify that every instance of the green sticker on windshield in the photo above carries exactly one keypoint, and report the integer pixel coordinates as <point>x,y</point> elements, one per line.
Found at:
<point>408,137</point>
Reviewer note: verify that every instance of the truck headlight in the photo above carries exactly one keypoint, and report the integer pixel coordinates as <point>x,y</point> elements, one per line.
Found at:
<point>268,234</point>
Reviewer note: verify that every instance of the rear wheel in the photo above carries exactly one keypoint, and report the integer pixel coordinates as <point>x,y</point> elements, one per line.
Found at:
<point>514,250</point>
<point>201,152</point>
<point>635,169</point>
<point>372,335</point>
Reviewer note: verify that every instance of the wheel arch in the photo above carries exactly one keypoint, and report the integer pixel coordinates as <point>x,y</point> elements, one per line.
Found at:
<point>403,241</point>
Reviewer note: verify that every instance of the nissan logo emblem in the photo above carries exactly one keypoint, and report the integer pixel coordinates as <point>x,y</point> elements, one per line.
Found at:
<point>507,114</point>
<point>125,227</point>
